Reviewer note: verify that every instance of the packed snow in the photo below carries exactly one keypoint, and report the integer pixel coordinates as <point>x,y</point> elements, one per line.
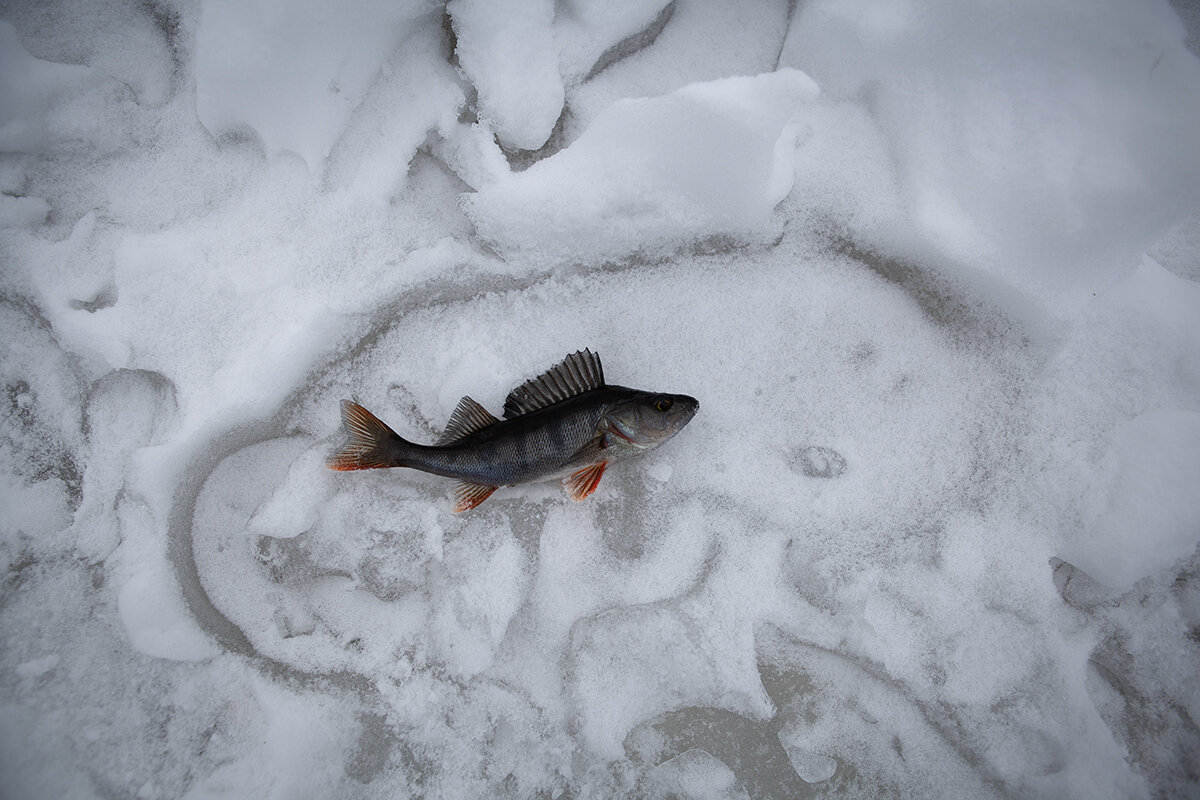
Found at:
<point>931,268</point>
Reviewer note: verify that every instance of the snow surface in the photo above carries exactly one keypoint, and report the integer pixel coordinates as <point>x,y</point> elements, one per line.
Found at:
<point>930,267</point>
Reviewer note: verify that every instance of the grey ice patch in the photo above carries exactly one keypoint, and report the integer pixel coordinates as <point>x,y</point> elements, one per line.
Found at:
<point>105,298</point>
<point>817,462</point>
<point>632,44</point>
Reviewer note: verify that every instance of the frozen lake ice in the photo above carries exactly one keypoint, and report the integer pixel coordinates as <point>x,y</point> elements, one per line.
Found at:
<point>931,269</point>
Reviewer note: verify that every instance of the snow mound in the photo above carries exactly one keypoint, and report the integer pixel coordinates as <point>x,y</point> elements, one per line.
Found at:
<point>651,175</point>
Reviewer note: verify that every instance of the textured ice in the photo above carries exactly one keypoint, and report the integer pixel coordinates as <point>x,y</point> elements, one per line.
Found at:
<point>929,267</point>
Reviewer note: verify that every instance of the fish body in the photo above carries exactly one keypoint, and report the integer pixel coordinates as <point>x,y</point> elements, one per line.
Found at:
<point>566,423</point>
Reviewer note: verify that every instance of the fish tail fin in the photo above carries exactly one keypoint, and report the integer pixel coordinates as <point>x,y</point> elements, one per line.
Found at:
<point>372,444</point>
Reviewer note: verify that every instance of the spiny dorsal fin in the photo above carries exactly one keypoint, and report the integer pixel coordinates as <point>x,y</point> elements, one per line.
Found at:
<point>578,373</point>
<point>467,418</point>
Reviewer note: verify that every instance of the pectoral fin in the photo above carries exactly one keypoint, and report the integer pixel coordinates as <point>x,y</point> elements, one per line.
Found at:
<point>468,495</point>
<point>582,483</point>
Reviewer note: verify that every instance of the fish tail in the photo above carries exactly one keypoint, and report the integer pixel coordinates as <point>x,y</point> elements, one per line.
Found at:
<point>372,444</point>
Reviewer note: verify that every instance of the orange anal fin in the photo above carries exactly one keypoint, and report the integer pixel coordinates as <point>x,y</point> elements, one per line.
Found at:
<point>468,495</point>
<point>582,483</point>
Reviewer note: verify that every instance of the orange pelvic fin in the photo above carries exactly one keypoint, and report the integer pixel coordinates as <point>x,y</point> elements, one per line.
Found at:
<point>583,482</point>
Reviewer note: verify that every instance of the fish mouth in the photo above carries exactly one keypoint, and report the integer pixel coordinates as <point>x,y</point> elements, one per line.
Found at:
<point>688,409</point>
<point>692,406</point>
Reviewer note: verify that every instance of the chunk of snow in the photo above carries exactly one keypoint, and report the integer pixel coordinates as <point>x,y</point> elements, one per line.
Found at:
<point>157,621</point>
<point>507,49</point>
<point>292,74</point>
<point>657,173</point>
<point>37,667</point>
<point>1051,191</point>
<point>1146,513</point>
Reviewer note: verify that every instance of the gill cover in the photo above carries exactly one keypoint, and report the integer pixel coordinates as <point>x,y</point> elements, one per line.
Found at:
<point>650,419</point>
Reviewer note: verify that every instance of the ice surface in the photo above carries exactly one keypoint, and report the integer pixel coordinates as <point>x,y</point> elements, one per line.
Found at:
<point>930,268</point>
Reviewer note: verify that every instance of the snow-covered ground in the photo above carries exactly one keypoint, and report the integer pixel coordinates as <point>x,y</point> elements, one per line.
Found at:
<point>932,269</point>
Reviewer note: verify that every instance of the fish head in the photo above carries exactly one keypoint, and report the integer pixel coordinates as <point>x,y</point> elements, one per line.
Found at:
<point>648,419</point>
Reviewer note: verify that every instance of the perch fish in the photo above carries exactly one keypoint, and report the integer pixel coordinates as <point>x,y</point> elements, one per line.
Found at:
<point>566,423</point>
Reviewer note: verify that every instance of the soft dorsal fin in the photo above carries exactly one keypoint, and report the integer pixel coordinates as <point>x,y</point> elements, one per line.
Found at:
<point>467,418</point>
<point>578,373</point>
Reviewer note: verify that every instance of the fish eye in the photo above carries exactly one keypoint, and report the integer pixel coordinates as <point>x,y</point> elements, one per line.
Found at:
<point>663,405</point>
